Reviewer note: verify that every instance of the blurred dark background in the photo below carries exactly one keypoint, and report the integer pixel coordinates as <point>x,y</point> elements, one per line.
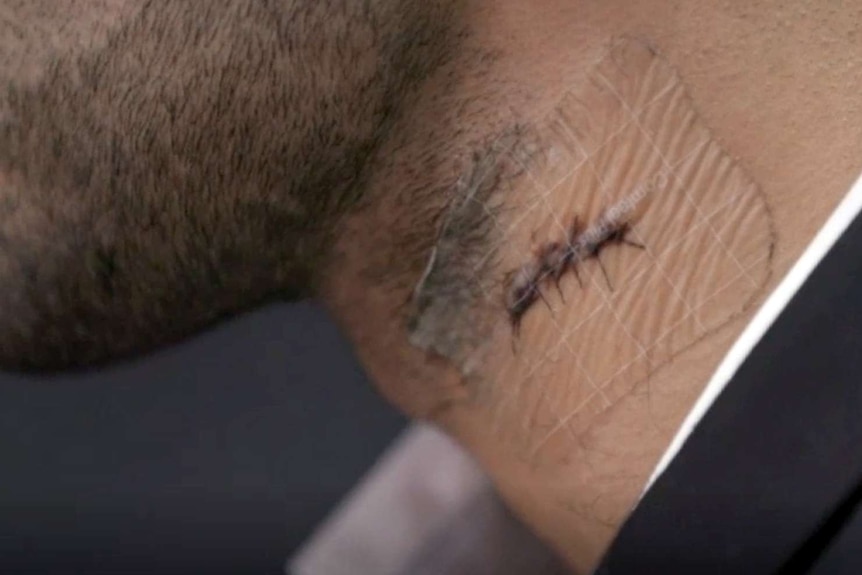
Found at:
<point>218,455</point>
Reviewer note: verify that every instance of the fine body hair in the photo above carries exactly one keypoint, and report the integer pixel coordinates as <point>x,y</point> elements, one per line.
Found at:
<point>192,163</point>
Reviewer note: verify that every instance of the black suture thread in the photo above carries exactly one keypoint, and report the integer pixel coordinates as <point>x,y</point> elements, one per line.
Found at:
<point>523,287</point>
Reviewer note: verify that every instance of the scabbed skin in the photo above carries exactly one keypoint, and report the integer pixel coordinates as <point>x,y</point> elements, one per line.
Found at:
<point>623,148</point>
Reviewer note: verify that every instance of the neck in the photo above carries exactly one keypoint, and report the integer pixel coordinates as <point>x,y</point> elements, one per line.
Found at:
<point>704,129</point>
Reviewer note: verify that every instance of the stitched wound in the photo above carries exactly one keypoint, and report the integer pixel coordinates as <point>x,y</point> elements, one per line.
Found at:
<point>626,147</point>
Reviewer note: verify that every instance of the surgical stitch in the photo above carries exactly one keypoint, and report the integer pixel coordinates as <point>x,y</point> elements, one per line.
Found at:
<point>523,286</point>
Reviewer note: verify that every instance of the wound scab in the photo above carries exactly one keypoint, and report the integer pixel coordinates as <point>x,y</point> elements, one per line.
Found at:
<point>623,159</point>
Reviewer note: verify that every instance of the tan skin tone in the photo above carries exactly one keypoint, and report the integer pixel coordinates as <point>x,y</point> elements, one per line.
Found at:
<point>778,83</point>
<point>800,140</point>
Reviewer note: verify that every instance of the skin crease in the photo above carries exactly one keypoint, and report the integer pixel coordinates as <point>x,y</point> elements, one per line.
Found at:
<point>778,83</point>
<point>792,117</point>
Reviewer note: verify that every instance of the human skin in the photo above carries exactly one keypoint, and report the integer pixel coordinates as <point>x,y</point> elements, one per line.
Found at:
<point>774,85</point>
<point>798,140</point>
